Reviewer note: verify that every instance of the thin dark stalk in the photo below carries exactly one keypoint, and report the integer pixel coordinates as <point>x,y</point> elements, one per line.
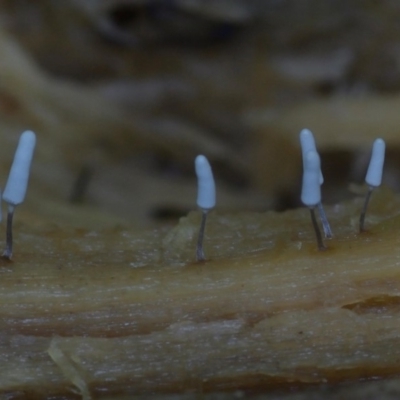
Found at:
<point>325,223</point>
<point>364,210</point>
<point>200,251</point>
<point>81,184</point>
<point>320,242</point>
<point>9,237</point>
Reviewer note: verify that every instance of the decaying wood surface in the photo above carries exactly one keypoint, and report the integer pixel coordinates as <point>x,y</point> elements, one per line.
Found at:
<point>121,312</point>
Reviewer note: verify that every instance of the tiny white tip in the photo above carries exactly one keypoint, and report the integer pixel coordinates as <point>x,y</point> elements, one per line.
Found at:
<point>206,197</point>
<point>375,168</point>
<point>17,183</point>
<point>307,143</point>
<point>311,189</point>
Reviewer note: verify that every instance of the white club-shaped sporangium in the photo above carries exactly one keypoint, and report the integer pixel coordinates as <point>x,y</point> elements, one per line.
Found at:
<point>375,168</point>
<point>206,196</point>
<point>311,189</point>
<point>307,143</point>
<point>374,175</point>
<point>17,182</point>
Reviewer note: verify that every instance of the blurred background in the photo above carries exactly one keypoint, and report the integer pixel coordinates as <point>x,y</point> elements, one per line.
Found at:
<point>123,94</point>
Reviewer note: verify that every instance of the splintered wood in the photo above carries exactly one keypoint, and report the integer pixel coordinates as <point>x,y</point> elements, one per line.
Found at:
<point>119,312</point>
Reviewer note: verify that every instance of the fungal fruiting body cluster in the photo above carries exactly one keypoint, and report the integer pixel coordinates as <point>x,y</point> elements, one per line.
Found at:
<point>313,179</point>
<point>307,144</point>
<point>311,187</point>
<point>17,182</point>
